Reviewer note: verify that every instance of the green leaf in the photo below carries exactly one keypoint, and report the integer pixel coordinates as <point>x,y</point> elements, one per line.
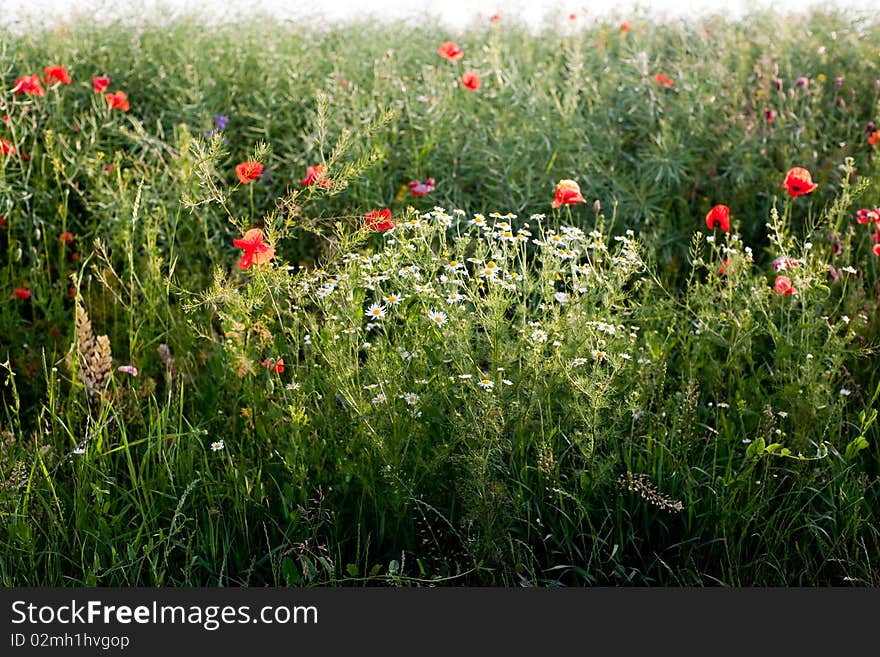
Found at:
<point>352,570</point>
<point>855,446</point>
<point>756,448</point>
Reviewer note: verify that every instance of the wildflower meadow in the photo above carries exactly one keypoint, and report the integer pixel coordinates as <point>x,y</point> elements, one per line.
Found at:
<point>592,303</point>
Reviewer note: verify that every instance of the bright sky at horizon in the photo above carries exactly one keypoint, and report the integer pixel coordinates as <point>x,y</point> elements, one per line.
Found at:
<point>452,13</point>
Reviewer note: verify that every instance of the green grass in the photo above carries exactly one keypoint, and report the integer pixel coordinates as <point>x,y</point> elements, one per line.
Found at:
<point>626,415</point>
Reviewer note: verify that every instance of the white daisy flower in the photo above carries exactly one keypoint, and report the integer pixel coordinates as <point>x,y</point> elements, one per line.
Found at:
<point>410,398</point>
<point>217,446</point>
<point>539,335</point>
<point>375,311</point>
<point>485,384</point>
<point>438,318</point>
<point>453,298</point>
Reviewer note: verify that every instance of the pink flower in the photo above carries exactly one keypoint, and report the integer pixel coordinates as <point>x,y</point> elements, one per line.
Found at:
<point>782,286</point>
<point>784,264</point>
<point>417,188</point>
<point>128,369</point>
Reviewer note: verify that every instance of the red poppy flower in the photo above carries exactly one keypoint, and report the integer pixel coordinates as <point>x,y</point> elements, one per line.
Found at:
<point>782,286</point>
<point>770,115</point>
<point>248,172</point>
<point>29,84</point>
<point>5,118</point>
<point>798,181</point>
<point>875,237</point>
<point>568,192</point>
<point>876,249</point>
<point>494,18</point>
<point>572,17</point>
<point>22,293</point>
<point>6,147</point>
<point>379,220</point>
<point>315,175</point>
<point>2,222</point>
<point>470,80</point>
<point>118,100</point>
<point>874,138</point>
<point>71,292</point>
<point>719,216</point>
<point>417,188</point>
<point>865,216</point>
<point>56,75</point>
<point>664,80</point>
<point>275,366</point>
<point>722,270</point>
<point>66,237</point>
<point>100,84</point>
<point>624,26</point>
<point>449,50</point>
<point>256,251</point>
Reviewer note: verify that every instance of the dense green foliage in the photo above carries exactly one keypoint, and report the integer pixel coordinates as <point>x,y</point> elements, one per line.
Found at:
<point>560,396</point>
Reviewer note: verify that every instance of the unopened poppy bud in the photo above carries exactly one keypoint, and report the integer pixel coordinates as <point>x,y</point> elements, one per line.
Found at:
<point>597,207</point>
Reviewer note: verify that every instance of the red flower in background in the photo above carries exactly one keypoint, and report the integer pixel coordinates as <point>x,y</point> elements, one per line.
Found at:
<point>494,18</point>
<point>722,270</point>
<point>449,50</point>
<point>118,100</point>
<point>100,84</point>
<point>664,80</point>
<point>770,115</point>
<point>2,222</point>
<point>874,138</point>
<point>624,26</point>
<point>275,366</point>
<point>248,172</point>
<point>29,84</point>
<point>56,75</point>
<point>315,175</point>
<point>66,237</point>
<point>417,188</point>
<point>6,147</point>
<point>256,251</point>
<point>22,293</point>
<point>782,286</point>
<point>470,80</point>
<point>719,216</point>
<point>876,249</point>
<point>798,181</point>
<point>568,192</point>
<point>379,220</point>
<point>865,216</point>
